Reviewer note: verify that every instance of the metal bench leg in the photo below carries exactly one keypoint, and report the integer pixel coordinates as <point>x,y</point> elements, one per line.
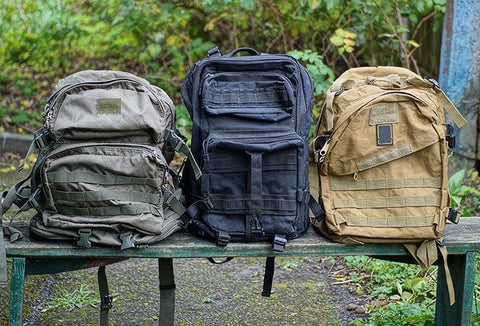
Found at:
<point>16,291</point>
<point>462,268</point>
<point>167,291</point>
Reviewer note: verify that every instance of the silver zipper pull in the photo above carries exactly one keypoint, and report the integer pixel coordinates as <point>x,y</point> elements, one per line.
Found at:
<point>319,155</point>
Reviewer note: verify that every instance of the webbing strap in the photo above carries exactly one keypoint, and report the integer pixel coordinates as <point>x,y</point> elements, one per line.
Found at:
<point>106,300</point>
<point>336,184</point>
<point>242,203</point>
<point>99,178</point>
<point>448,275</point>
<point>386,221</point>
<point>448,106</point>
<point>262,95</point>
<point>268,277</point>
<point>426,254</point>
<point>254,217</point>
<point>179,145</point>
<point>166,279</point>
<point>129,209</point>
<point>105,195</point>
<point>385,157</point>
<point>381,202</point>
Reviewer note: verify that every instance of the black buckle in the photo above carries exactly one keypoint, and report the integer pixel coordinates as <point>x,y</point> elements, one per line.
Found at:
<point>223,238</point>
<point>453,216</point>
<point>214,52</point>
<point>449,136</point>
<point>40,138</point>
<point>255,226</point>
<point>106,302</point>
<point>279,243</point>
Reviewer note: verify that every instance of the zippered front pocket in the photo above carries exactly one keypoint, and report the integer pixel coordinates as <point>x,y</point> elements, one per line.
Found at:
<point>254,183</point>
<point>249,95</point>
<point>104,179</point>
<point>109,109</point>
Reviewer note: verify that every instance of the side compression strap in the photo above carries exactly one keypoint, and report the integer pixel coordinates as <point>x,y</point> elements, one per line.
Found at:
<point>106,300</point>
<point>179,145</point>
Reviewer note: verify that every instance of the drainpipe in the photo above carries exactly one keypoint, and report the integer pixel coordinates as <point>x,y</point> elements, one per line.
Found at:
<point>459,76</point>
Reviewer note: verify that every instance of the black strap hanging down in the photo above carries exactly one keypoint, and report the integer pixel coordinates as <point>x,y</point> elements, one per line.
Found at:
<point>106,300</point>
<point>268,277</point>
<point>167,286</point>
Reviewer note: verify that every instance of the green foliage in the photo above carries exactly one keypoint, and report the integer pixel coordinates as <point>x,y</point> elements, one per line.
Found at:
<point>408,292</point>
<point>161,40</point>
<point>69,300</point>
<point>460,192</point>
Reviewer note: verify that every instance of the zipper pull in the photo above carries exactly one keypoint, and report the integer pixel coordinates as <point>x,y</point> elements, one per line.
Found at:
<point>319,155</point>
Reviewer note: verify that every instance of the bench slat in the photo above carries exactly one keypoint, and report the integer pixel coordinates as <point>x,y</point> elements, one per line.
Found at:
<point>459,239</point>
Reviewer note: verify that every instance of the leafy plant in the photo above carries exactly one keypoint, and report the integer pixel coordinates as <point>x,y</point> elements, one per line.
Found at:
<point>406,292</point>
<point>459,192</point>
<point>67,299</point>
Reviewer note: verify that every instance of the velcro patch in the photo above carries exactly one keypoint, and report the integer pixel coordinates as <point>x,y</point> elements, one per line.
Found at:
<point>383,113</point>
<point>109,106</point>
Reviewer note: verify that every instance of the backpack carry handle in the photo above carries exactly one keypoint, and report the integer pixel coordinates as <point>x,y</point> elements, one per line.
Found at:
<point>251,51</point>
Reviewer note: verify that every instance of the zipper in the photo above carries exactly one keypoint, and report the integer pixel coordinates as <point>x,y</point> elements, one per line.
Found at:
<point>54,99</point>
<point>150,152</point>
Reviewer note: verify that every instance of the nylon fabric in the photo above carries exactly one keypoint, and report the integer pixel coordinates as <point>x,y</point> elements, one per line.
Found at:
<point>251,118</point>
<point>103,165</point>
<point>382,162</point>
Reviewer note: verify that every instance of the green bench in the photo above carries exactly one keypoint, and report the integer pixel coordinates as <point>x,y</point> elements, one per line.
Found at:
<point>35,257</point>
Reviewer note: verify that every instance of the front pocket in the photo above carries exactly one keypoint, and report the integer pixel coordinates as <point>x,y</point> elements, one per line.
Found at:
<point>249,95</point>
<point>254,183</point>
<point>104,179</point>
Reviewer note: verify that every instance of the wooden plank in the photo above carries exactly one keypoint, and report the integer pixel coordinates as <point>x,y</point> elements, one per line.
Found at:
<point>459,239</point>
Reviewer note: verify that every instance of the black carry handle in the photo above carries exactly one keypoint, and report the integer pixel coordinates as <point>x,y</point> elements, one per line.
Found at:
<point>248,50</point>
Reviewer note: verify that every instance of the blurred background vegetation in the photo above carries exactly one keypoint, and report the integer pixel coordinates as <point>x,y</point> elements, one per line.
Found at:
<point>42,41</point>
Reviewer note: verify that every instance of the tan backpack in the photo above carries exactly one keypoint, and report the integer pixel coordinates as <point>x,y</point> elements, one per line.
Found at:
<point>381,152</point>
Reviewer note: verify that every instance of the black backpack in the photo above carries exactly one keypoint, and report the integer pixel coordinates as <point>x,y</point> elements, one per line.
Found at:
<point>251,118</point>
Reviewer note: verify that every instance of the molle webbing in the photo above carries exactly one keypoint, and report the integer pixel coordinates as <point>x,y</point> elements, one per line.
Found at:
<point>107,195</point>
<point>258,97</point>
<point>395,183</point>
<point>281,205</point>
<point>385,157</point>
<point>130,209</point>
<point>386,202</point>
<point>387,221</point>
<point>102,179</point>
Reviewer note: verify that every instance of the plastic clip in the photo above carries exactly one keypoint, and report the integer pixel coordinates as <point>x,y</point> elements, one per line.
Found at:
<point>106,302</point>
<point>279,243</point>
<point>453,216</point>
<point>83,235</point>
<point>126,238</point>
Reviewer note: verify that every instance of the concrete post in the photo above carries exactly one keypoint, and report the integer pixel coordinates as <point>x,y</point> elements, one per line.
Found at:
<point>459,75</point>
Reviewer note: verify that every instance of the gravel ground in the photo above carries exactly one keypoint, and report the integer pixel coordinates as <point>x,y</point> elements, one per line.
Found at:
<point>305,293</point>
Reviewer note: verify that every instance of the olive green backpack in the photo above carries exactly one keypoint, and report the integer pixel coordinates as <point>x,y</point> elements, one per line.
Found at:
<point>381,154</point>
<point>102,175</point>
